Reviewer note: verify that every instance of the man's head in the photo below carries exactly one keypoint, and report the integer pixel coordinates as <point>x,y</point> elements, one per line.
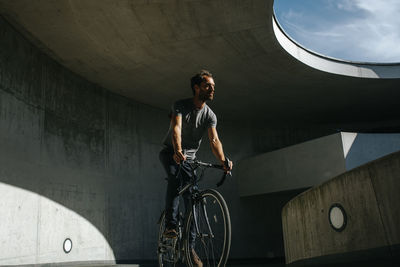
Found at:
<point>203,85</point>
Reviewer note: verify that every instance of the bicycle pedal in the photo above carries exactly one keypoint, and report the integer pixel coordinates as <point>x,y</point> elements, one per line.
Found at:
<point>169,243</point>
<point>161,250</point>
<point>170,238</point>
<point>168,247</point>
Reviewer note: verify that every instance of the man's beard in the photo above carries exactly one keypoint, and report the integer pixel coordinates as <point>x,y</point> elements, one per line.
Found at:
<point>205,97</point>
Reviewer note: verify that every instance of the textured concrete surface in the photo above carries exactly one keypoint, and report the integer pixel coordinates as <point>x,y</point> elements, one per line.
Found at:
<point>146,50</point>
<point>369,196</point>
<point>84,150</point>
<point>73,163</point>
<point>300,166</point>
<point>310,163</point>
<point>156,265</point>
<point>79,161</point>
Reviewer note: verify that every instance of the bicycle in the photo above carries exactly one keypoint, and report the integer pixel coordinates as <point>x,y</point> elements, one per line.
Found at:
<point>209,215</point>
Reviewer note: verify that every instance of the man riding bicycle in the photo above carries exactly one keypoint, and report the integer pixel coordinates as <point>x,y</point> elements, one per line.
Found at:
<point>190,119</point>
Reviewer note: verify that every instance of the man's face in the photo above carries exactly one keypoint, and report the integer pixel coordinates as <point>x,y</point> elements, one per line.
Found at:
<point>206,89</point>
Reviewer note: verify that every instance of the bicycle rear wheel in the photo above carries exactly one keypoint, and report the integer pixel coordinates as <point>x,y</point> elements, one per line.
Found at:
<point>212,242</point>
<point>167,248</point>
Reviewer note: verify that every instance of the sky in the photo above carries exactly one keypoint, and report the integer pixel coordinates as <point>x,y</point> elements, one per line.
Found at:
<point>354,30</point>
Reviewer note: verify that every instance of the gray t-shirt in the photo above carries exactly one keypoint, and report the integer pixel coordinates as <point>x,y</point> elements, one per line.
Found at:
<point>195,123</point>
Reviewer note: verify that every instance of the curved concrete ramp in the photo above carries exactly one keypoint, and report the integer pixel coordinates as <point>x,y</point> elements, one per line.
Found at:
<point>369,196</point>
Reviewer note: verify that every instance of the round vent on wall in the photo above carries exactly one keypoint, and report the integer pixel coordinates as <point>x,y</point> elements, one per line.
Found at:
<point>67,246</point>
<point>337,217</point>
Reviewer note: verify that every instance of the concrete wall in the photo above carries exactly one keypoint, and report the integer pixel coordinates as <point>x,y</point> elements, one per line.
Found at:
<point>299,166</point>
<point>369,196</point>
<point>76,161</point>
<point>311,163</point>
<point>79,162</point>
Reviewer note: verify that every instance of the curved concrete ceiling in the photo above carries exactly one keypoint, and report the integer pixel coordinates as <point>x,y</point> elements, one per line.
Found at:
<point>148,50</point>
<point>332,65</point>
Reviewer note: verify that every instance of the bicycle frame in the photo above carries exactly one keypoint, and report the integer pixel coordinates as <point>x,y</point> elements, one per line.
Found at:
<point>198,208</point>
<point>192,185</point>
<point>195,201</point>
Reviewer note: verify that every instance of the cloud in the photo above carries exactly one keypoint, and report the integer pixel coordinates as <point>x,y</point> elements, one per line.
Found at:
<point>376,35</point>
<point>346,5</point>
<point>378,8</point>
<point>369,31</point>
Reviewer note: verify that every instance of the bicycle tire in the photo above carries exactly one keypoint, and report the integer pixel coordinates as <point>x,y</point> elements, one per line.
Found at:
<point>212,250</point>
<point>165,258</point>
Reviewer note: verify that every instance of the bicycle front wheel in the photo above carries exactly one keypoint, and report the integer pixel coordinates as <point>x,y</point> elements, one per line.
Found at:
<point>212,239</point>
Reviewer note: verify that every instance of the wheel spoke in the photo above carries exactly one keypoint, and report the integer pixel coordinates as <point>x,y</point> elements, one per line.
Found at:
<point>213,240</point>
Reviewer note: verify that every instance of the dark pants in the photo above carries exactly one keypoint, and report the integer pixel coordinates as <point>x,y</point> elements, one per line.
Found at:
<point>174,184</point>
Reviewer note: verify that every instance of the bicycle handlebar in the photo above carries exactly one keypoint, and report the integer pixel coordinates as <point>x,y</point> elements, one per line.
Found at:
<point>210,165</point>
<point>221,182</point>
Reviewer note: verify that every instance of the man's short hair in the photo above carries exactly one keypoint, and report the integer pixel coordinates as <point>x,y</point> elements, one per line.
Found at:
<point>198,78</point>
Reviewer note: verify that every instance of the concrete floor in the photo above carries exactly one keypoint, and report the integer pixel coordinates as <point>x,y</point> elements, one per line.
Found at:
<point>249,263</point>
<point>136,265</point>
<point>256,263</point>
<point>243,263</point>
<point>155,265</point>
<point>152,265</point>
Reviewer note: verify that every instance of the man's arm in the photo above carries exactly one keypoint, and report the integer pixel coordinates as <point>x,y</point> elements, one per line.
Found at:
<point>216,147</point>
<point>176,124</point>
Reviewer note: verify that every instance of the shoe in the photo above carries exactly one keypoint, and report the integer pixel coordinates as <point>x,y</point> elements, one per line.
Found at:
<point>170,233</point>
<point>196,260</point>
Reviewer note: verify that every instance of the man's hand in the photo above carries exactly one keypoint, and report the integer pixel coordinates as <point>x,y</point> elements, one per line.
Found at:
<point>179,156</point>
<point>228,165</point>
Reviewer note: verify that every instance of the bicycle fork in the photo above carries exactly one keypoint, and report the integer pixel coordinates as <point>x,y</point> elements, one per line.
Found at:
<point>202,203</point>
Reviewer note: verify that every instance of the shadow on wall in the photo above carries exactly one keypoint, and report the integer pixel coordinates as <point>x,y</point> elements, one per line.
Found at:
<point>69,141</point>
<point>262,214</point>
<point>115,185</point>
